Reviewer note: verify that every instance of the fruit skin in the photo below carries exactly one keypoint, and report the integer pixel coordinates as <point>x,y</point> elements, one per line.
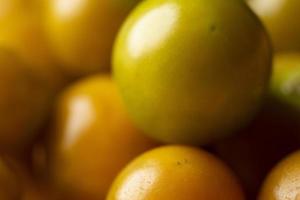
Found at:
<point>177,173</point>
<point>21,31</point>
<point>283,182</point>
<point>24,104</point>
<point>92,138</point>
<point>275,14</point>
<point>191,71</point>
<point>82,32</point>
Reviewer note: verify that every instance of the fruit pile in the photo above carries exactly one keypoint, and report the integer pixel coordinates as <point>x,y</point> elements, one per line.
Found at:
<point>149,100</point>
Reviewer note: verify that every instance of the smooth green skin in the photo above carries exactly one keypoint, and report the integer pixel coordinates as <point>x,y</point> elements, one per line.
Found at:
<point>285,83</point>
<point>82,32</point>
<point>281,20</point>
<point>191,71</point>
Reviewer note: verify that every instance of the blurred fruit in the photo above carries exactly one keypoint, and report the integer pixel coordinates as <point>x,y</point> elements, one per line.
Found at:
<point>253,151</point>
<point>286,79</point>
<point>10,188</point>
<point>92,139</point>
<point>281,19</point>
<point>177,173</point>
<point>82,32</point>
<point>191,71</point>
<point>24,104</point>
<point>283,183</point>
<point>21,31</point>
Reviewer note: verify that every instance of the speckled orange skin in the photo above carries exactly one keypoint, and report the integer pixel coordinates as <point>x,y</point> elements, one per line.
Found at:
<point>177,173</point>
<point>283,182</point>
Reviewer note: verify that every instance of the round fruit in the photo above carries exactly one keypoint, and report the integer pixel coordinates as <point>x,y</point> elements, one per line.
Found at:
<point>9,183</point>
<point>93,138</point>
<point>283,182</point>
<point>82,32</point>
<point>280,18</point>
<point>177,173</point>
<point>191,71</point>
<point>285,84</point>
<point>21,31</point>
<point>24,102</point>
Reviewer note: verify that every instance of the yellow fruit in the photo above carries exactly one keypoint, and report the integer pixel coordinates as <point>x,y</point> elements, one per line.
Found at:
<point>21,31</point>
<point>93,138</point>
<point>82,32</point>
<point>192,71</point>
<point>177,173</point>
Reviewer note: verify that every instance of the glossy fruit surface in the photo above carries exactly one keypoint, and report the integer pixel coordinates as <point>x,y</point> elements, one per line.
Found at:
<point>92,139</point>
<point>21,31</point>
<point>24,103</point>
<point>177,173</point>
<point>283,182</point>
<point>82,32</point>
<point>281,19</point>
<point>191,71</point>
